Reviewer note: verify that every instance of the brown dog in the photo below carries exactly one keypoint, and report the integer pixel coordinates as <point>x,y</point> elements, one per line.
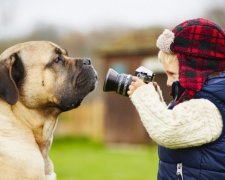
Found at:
<point>38,81</point>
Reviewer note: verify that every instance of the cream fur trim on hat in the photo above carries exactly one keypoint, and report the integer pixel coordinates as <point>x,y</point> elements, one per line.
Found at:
<point>165,40</point>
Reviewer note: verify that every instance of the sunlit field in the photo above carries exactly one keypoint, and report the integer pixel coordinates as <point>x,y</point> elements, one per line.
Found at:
<point>81,159</point>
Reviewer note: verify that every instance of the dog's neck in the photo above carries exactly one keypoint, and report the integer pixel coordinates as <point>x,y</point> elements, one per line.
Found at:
<point>42,123</point>
<point>32,118</point>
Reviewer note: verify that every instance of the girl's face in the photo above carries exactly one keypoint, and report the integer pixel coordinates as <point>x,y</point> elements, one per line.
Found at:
<point>172,71</point>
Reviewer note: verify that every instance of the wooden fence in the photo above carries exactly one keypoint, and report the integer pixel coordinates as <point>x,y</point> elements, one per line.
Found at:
<point>87,120</point>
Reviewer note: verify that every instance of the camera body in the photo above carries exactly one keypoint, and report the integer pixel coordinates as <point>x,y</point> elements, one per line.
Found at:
<point>145,74</point>
<point>120,82</point>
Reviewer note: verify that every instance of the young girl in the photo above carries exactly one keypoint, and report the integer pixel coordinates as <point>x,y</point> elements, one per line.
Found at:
<point>190,132</point>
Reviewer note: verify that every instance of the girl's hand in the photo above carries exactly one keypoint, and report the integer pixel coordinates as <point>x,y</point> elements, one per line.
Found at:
<point>136,82</point>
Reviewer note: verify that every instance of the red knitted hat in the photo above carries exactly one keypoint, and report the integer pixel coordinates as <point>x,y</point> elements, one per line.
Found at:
<point>200,48</point>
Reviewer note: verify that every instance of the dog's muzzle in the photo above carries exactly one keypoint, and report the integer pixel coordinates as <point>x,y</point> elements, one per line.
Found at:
<point>87,76</point>
<point>84,83</point>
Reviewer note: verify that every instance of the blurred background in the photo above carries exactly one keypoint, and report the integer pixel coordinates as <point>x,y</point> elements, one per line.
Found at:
<point>103,138</point>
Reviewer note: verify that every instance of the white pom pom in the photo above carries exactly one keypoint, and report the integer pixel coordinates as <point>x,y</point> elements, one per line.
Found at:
<point>165,40</point>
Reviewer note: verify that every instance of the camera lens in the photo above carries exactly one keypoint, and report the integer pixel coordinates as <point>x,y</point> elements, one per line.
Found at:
<point>117,82</point>
<point>123,84</point>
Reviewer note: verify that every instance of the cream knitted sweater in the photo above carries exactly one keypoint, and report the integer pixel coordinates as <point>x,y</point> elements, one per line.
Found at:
<point>191,123</point>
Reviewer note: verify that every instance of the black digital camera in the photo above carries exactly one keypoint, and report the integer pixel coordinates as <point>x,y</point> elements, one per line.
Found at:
<point>120,82</point>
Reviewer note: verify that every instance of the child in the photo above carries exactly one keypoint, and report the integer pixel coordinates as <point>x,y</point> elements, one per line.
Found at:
<point>190,132</point>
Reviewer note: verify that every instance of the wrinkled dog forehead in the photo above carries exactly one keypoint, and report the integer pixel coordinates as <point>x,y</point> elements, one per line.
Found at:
<point>29,50</point>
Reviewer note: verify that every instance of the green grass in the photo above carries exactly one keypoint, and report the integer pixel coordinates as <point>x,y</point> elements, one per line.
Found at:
<point>81,159</point>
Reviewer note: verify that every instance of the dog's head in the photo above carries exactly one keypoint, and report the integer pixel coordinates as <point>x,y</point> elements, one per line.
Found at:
<point>41,74</point>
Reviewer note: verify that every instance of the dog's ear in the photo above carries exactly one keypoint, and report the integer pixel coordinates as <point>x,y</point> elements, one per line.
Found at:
<point>11,76</point>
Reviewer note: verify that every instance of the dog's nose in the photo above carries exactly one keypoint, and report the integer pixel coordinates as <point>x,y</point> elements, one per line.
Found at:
<point>87,61</point>
<point>83,62</point>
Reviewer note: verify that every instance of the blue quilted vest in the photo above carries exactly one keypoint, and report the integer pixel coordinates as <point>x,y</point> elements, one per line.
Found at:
<point>206,162</point>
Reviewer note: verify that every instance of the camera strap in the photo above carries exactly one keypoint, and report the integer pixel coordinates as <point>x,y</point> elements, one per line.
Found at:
<point>177,91</point>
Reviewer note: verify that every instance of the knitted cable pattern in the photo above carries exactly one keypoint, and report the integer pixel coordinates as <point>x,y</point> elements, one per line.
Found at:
<point>191,123</point>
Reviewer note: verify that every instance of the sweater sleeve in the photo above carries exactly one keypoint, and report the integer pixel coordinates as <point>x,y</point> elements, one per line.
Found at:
<point>191,123</point>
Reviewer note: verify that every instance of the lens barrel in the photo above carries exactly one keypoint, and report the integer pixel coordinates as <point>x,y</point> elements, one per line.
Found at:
<point>117,82</point>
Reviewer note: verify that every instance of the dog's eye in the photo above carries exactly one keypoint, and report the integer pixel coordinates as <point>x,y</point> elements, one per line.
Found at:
<point>59,59</point>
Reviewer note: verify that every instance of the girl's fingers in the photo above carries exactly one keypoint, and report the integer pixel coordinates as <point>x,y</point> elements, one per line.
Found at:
<point>135,78</point>
<point>131,87</point>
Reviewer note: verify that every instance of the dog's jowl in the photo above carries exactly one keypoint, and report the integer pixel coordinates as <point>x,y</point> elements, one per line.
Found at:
<point>38,81</point>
